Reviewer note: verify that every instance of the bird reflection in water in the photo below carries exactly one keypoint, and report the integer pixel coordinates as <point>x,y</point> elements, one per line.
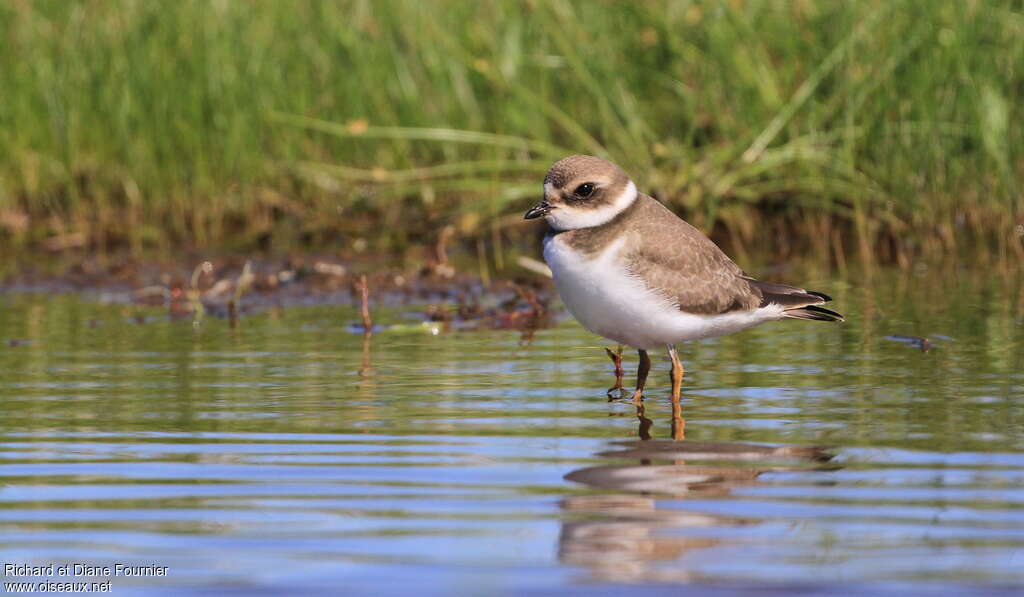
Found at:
<point>678,422</point>
<point>623,535</point>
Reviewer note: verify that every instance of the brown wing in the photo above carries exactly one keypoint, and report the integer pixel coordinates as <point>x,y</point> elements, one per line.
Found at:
<point>678,261</point>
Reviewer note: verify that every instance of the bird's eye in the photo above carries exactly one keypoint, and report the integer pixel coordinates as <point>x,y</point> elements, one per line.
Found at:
<point>584,190</point>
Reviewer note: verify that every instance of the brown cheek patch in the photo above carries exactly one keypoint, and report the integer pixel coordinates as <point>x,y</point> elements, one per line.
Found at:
<point>601,197</point>
<point>591,241</point>
<point>595,201</point>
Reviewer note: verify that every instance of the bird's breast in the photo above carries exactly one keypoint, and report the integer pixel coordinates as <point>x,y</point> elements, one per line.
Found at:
<point>601,293</point>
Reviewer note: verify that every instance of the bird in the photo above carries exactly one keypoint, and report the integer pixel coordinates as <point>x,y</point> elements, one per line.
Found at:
<point>632,271</point>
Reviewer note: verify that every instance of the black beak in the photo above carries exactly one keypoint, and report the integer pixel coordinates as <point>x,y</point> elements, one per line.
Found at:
<point>541,209</point>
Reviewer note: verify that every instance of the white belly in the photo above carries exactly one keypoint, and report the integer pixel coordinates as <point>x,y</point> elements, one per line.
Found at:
<point>610,302</point>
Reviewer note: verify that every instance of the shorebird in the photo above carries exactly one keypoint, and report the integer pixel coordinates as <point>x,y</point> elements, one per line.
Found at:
<point>632,271</point>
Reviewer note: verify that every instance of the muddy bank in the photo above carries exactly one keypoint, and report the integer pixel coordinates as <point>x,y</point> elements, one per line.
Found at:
<point>232,287</point>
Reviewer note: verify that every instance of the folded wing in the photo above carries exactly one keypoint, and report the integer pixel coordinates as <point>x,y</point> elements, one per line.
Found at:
<point>697,277</point>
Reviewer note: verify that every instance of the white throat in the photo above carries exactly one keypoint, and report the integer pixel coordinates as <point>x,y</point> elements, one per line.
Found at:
<point>565,217</point>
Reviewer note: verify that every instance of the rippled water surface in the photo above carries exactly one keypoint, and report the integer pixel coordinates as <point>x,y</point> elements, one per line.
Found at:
<point>290,455</point>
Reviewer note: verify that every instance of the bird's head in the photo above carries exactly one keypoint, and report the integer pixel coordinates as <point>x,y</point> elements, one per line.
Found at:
<point>582,191</point>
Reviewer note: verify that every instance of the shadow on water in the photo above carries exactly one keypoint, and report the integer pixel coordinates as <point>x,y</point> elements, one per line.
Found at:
<point>621,532</point>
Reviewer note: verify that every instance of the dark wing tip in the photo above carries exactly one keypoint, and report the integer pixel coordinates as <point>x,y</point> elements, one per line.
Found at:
<point>786,295</point>
<point>815,313</point>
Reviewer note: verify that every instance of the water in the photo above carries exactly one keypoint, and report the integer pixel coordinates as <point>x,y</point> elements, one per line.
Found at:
<point>291,456</point>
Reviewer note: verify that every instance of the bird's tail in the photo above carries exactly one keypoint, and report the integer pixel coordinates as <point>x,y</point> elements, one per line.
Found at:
<point>813,312</point>
<point>796,303</point>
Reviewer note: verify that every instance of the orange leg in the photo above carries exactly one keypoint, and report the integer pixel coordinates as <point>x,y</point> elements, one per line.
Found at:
<point>641,375</point>
<point>616,357</point>
<point>678,422</point>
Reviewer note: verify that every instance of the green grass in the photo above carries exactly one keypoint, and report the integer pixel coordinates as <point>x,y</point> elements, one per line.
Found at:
<point>888,126</point>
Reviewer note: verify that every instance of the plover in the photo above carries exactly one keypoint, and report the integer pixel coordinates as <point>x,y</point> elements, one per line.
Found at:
<point>632,271</point>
